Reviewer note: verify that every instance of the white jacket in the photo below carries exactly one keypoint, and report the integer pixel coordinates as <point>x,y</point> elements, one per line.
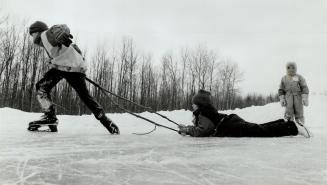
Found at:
<point>64,58</point>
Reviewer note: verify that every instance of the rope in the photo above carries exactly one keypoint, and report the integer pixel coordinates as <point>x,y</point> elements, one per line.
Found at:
<point>140,134</point>
<point>139,105</point>
<point>136,115</point>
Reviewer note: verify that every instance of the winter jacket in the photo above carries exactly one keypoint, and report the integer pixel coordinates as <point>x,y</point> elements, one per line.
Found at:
<point>293,85</point>
<point>202,127</point>
<point>228,125</point>
<point>205,122</point>
<point>63,58</point>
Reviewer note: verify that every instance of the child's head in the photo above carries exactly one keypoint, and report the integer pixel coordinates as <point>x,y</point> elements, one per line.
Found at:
<point>35,31</point>
<point>202,98</point>
<point>291,68</point>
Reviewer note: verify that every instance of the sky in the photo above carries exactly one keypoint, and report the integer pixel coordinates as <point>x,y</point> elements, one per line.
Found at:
<point>260,35</point>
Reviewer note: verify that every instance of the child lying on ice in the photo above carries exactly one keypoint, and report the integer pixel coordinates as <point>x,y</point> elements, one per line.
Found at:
<point>208,122</point>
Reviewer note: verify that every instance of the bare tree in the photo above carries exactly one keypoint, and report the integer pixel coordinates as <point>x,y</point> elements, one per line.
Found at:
<point>185,60</point>
<point>230,76</point>
<point>148,83</point>
<point>38,56</point>
<point>164,85</point>
<point>9,45</point>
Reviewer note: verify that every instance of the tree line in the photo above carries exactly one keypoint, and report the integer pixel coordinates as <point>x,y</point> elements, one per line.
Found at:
<point>124,69</point>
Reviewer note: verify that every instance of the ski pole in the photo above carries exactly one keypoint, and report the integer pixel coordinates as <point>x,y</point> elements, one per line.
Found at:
<point>142,106</point>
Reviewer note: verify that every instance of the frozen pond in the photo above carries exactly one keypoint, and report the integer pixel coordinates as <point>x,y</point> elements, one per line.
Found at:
<point>160,159</point>
<point>82,153</point>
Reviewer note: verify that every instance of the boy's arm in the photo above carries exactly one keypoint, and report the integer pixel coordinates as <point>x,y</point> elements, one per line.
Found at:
<point>303,85</point>
<point>281,93</point>
<point>281,90</point>
<point>204,128</point>
<point>305,91</point>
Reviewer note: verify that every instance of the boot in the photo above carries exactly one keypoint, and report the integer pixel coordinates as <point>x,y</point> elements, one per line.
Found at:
<point>110,126</point>
<point>47,119</point>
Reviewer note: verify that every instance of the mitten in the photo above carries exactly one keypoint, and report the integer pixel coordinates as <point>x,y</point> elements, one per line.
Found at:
<point>282,100</point>
<point>305,99</point>
<point>183,130</point>
<point>61,34</point>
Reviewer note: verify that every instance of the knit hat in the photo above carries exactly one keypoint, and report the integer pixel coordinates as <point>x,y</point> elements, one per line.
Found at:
<point>289,70</point>
<point>202,98</point>
<point>37,26</point>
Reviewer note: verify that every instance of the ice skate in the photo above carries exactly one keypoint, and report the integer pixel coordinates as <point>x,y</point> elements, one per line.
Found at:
<point>50,121</point>
<point>110,126</point>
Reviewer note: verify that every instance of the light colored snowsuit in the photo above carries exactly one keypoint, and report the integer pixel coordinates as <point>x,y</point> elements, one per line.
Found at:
<point>294,88</point>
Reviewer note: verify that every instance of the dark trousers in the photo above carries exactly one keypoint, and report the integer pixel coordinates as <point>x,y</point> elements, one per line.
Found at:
<point>76,80</point>
<point>234,126</point>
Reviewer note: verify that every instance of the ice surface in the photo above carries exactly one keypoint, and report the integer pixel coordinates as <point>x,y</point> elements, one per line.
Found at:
<point>82,152</point>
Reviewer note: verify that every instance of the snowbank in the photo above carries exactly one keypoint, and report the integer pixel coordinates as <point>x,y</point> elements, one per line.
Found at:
<point>17,120</point>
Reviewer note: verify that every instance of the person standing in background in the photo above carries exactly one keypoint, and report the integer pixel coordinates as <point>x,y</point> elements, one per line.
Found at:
<point>293,94</point>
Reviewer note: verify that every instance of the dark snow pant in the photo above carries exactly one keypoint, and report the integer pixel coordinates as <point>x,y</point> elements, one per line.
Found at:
<point>234,126</point>
<point>76,80</point>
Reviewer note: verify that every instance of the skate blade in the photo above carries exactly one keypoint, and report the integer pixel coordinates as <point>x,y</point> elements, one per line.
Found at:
<point>41,130</point>
<point>42,125</point>
<point>38,128</point>
<point>47,130</point>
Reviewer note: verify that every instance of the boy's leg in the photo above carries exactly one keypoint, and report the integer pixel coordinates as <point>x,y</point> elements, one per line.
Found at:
<point>43,89</point>
<point>289,109</point>
<point>234,126</point>
<point>275,128</point>
<point>298,109</point>
<point>77,81</point>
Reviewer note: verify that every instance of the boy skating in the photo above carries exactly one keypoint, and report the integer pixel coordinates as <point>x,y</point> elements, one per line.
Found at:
<point>68,63</point>
<point>293,94</point>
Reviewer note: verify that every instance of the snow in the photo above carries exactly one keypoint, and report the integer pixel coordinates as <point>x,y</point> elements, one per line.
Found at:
<point>82,152</point>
